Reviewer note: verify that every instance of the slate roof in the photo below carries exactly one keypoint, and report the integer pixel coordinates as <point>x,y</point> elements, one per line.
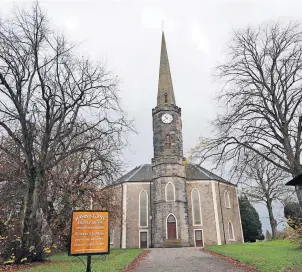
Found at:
<point>143,173</point>
<point>139,173</point>
<point>196,172</point>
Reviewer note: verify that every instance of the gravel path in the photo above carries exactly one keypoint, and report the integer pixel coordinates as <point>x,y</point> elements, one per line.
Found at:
<point>184,260</point>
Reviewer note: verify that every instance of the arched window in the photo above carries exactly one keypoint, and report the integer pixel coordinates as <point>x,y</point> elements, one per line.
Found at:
<point>166,98</point>
<point>231,231</point>
<point>170,192</point>
<point>143,209</point>
<point>227,202</point>
<point>168,142</point>
<point>196,207</point>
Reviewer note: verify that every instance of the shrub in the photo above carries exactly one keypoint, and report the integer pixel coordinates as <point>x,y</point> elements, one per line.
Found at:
<point>293,214</point>
<point>295,234</point>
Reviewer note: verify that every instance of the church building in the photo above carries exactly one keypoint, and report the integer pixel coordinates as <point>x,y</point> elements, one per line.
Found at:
<point>171,203</point>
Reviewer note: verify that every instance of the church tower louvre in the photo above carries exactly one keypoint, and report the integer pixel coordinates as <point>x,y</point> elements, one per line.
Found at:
<point>170,224</point>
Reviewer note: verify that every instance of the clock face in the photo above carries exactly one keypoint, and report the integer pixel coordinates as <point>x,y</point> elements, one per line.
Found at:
<point>167,118</point>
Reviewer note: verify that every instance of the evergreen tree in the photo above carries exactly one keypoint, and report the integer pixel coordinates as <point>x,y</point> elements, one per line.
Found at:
<point>251,225</point>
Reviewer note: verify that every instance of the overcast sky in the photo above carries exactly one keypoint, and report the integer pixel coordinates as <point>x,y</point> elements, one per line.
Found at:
<point>127,34</point>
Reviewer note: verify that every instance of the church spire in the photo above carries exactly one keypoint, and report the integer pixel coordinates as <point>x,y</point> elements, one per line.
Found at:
<point>165,95</point>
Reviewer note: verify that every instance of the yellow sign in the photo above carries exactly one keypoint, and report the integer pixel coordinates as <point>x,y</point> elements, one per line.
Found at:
<point>89,233</point>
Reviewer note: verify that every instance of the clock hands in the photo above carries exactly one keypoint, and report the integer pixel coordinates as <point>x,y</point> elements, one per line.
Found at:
<point>167,118</point>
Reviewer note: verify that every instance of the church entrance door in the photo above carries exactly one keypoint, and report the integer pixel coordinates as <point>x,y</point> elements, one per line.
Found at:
<point>143,239</point>
<point>171,227</point>
<point>198,238</point>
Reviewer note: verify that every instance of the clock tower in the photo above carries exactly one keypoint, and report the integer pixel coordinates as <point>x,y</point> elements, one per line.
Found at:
<point>170,223</point>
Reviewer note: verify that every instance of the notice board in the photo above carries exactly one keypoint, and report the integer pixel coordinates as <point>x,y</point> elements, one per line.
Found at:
<point>89,233</point>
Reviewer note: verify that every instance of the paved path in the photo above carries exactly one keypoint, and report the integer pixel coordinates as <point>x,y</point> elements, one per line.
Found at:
<point>184,260</point>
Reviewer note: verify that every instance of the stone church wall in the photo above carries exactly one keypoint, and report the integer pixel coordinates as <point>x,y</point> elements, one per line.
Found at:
<point>207,211</point>
<point>226,214</point>
<point>132,227</point>
<point>162,209</point>
<point>208,226</point>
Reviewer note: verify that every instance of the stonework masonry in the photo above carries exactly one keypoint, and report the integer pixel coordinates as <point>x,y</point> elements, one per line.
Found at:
<point>133,227</point>
<point>168,167</point>
<point>227,215</point>
<point>207,204</point>
<point>207,210</point>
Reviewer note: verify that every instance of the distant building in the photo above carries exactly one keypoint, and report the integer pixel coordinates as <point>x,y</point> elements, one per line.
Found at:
<point>170,203</point>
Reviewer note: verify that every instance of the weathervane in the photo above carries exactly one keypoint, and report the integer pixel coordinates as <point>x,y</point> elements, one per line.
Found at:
<point>162,25</point>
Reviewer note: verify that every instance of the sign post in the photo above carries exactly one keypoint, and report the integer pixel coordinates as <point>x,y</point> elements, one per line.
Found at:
<point>88,267</point>
<point>89,234</point>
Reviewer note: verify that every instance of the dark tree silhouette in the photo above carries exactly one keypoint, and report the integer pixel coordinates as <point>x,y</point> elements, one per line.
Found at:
<point>251,225</point>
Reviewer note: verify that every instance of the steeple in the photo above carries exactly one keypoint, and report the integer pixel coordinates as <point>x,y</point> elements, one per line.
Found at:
<point>165,95</point>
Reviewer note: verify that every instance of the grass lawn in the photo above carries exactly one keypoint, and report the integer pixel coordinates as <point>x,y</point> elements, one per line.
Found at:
<point>61,262</point>
<point>265,256</point>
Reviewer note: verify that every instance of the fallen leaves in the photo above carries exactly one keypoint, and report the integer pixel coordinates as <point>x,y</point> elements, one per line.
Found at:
<point>17,267</point>
<point>134,264</point>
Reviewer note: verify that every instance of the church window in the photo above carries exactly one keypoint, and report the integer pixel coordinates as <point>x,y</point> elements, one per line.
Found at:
<point>231,231</point>
<point>143,209</point>
<point>168,142</point>
<point>196,210</point>
<point>170,192</point>
<point>166,98</point>
<point>227,202</point>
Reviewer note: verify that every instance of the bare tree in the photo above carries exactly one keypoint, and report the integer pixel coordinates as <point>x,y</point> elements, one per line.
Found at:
<point>53,105</point>
<point>261,99</point>
<point>263,182</point>
<point>76,183</point>
<point>12,188</point>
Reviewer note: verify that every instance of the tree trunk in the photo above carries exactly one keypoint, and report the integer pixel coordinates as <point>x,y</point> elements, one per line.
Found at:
<point>298,189</point>
<point>272,220</point>
<point>31,246</point>
<point>25,216</point>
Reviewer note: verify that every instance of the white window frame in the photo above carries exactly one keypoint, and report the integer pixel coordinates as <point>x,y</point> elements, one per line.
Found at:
<point>139,237</point>
<point>193,208</point>
<point>232,231</point>
<point>227,202</point>
<point>201,235</point>
<point>112,235</point>
<point>167,225</point>
<point>139,209</point>
<point>173,192</point>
